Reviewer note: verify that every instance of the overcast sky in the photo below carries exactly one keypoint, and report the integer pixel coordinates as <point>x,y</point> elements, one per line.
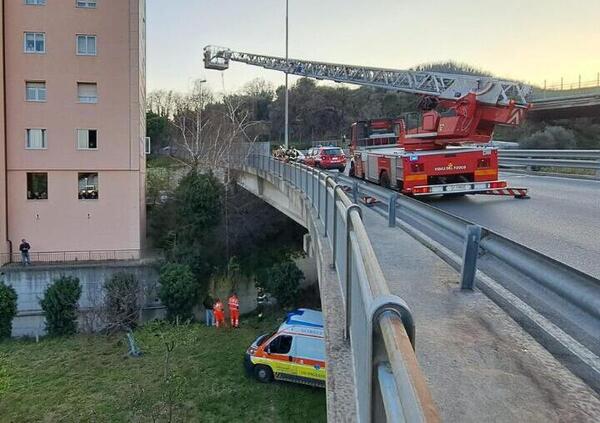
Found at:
<point>531,40</point>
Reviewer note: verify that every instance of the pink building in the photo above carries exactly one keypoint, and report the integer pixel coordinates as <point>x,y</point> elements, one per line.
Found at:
<point>72,128</point>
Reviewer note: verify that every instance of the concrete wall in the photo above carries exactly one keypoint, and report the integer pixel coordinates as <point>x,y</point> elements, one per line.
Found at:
<point>31,282</point>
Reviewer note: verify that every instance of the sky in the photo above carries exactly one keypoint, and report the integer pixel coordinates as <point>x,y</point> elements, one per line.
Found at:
<point>528,40</point>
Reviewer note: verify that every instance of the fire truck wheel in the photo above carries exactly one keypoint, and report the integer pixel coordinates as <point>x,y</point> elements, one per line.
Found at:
<point>263,373</point>
<point>384,179</point>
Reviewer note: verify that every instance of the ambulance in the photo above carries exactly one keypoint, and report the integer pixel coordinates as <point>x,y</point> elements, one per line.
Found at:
<point>295,352</point>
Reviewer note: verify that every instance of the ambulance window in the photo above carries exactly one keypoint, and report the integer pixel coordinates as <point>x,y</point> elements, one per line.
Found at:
<point>281,345</point>
<point>310,348</point>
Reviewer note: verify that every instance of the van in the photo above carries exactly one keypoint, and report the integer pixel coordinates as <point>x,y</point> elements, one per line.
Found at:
<point>295,352</point>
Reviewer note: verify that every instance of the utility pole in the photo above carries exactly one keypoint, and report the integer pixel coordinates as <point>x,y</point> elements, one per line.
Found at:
<point>287,104</point>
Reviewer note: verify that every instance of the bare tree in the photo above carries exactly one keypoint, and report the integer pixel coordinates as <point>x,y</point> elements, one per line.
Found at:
<point>208,131</point>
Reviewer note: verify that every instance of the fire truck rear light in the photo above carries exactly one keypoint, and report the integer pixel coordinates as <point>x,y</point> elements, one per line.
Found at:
<point>497,185</point>
<point>417,167</point>
<point>421,190</point>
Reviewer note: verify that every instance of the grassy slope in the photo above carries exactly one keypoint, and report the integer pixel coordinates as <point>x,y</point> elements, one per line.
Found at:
<point>88,378</point>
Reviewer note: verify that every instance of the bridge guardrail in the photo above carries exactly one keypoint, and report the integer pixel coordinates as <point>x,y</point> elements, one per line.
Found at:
<point>390,385</point>
<point>578,289</point>
<point>568,159</point>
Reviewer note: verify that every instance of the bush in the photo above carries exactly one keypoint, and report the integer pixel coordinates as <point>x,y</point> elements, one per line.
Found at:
<point>552,137</point>
<point>122,302</point>
<point>60,306</point>
<point>8,309</point>
<point>179,291</point>
<point>283,283</point>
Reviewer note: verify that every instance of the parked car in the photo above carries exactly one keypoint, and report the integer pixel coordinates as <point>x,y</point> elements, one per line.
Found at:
<point>295,352</point>
<point>326,158</point>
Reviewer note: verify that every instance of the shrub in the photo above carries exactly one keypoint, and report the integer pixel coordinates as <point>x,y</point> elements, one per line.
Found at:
<point>179,291</point>
<point>60,306</point>
<point>122,302</point>
<point>283,283</point>
<point>552,137</point>
<point>8,309</point>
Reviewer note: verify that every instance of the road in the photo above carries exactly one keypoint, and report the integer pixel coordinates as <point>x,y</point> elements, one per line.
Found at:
<point>561,220</point>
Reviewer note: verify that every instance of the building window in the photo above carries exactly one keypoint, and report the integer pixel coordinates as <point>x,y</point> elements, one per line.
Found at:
<point>35,42</point>
<point>86,4</point>
<point>87,92</point>
<point>86,45</point>
<point>36,139</point>
<point>35,2</point>
<point>35,91</point>
<point>87,139</point>
<point>37,186</point>
<point>88,186</point>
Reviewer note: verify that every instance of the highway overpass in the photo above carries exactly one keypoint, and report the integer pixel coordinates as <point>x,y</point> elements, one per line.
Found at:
<point>480,351</point>
<point>564,104</point>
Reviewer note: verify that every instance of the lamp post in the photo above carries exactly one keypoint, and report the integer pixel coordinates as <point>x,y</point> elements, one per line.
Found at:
<point>287,118</point>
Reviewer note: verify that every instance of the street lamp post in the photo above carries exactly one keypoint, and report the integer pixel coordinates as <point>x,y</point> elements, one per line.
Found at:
<point>287,118</point>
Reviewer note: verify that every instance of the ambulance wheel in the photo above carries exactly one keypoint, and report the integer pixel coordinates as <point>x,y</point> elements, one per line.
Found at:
<point>263,373</point>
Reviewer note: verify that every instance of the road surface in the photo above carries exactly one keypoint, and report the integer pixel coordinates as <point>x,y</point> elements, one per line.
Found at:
<point>561,220</point>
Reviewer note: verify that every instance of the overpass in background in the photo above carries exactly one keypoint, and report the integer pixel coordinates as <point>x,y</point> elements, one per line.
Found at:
<point>566,101</point>
<point>390,278</point>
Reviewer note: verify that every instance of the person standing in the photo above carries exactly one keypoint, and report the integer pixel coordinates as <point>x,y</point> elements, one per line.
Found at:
<point>234,310</point>
<point>24,248</point>
<point>209,314</point>
<point>261,301</point>
<point>219,313</point>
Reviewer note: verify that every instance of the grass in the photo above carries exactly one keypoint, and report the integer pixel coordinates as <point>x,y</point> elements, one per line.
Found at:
<point>90,378</point>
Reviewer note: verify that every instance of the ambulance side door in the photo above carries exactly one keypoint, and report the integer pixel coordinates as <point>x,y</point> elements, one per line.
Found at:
<point>279,352</point>
<point>310,358</point>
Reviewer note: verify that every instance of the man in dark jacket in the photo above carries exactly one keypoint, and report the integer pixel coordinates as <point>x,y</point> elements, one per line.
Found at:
<point>208,305</point>
<point>24,248</point>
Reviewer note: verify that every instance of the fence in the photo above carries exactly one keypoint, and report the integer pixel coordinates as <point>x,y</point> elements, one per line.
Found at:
<point>379,325</point>
<point>72,256</point>
<point>565,159</point>
<point>466,247</point>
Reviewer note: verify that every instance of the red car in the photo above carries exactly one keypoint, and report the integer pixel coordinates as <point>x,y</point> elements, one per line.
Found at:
<point>326,158</point>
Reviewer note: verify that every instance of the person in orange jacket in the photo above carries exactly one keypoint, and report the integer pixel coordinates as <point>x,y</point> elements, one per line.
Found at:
<point>234,310</point>
<point>219,313</point>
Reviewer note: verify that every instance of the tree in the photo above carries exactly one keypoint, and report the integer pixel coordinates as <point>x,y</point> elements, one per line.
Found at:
<point>60,306</point>
<point>551,137</point>
<point>122,301</point>
<point>8,309</point>
<point>157,128</point>
<point>179,291</point>
<point>284,283</point>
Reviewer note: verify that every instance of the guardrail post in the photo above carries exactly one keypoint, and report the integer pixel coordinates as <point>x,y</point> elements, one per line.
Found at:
<point>392,210</point>
<point>319,195</point>
<point>355,192</point>
<point>326,217</point>
<point>348,264</point>
<point>598,169</point>
<point>469,267</point>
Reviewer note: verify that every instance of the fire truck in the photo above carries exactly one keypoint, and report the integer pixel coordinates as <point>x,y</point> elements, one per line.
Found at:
<point>442,149</point>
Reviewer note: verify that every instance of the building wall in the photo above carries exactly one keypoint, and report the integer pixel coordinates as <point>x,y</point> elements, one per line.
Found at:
<point>63,222</point>
<point>3,229</point>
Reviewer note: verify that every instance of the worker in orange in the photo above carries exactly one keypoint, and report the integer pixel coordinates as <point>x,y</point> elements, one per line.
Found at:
<point>219,313</point>
<point>234,310</point>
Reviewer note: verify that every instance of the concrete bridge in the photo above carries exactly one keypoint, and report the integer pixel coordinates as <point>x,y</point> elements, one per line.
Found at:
<point>564,104</point>
<point>385,290</point>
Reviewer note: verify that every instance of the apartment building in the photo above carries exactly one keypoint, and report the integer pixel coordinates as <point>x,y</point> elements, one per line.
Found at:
<point>72,128</point>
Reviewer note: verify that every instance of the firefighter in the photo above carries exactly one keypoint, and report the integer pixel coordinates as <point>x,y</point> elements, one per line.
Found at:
<point>219,313</point>
<point>234,310</point>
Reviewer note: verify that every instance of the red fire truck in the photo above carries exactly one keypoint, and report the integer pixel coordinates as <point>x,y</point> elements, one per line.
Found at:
<point>440,151</point>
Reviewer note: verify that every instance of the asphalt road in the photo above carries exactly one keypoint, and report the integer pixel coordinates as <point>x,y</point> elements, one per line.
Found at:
<point>561,220</point>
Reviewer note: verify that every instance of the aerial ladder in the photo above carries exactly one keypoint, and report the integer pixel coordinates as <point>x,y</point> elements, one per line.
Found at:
<point>443,150</point>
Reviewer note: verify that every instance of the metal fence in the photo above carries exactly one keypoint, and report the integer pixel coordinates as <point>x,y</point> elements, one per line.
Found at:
<point>565,159</point>
<point>48,257</point>
<point>464,245</point>
<point>379,325</point>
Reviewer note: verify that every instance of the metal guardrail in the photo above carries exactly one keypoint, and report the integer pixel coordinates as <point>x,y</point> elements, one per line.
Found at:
<point>567,159</point>
<point>577,289</point>
<point>48,257</point>
<point>390,386</point>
